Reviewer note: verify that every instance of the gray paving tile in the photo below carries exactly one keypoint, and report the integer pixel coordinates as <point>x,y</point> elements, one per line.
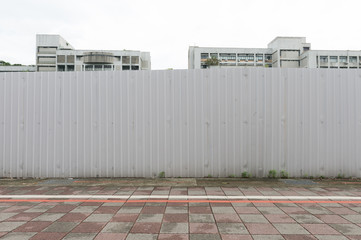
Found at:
<point>223,210</point>
<point>9,226</point>
<point>270,210</point>
<point>198,204</point>
<point>160,193</point>
<point>174,228</point>
<point>39,208</point>
<point>18,236</point>
<point>130,210</point>
<point>305,218</point>
<point>267,237</point>
<point>232,228</point>
<point>330,237</point>
<point>4,216</point>
<point>99,218</point>
<point>347,229</point>
<point>356,209</point>
<point>84,209</point>
<point>242,204</point>
<point>60,227</point>
<point>290,228</point>
<point>201,218</point>
<point>204,237</point>
<point>353,218</point>
<point>286,205</point>
<point>49,217</point>
<point>155,204</point>
<point>150,218</point>
<point>80,236</point>
<point>176,210</point>
<point>137,236</point>
<point>117,227</point>
<point>317,210</point>
<point>113,204</point>
<point>253,218</point>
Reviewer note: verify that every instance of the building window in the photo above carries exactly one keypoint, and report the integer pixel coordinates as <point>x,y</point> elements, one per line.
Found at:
<point>108,67</point>
<point>268,57</point>
<point>259,57</point>
<point>126,60</point>
<point>353,59</point>
<point>324,59</point>
<point>204,55</point>
<point>70,59</point>
<point>125,67</point>
<point>135,67</point>
<point>61,58</point>
<point>227,57</point>
<point>306,49</point>
<point>61,68</point>
<point>343,59</point>
<point>98,68</point>
<point>333,59</point>
<point>70,68</point>
<point>88,67</point>
<point>135,60</point>
<point>250,57</point>
<point>242,57</point>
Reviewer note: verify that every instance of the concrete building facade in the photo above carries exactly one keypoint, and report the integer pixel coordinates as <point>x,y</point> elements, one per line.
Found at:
<point>54,53</point>
<point>284,52</point>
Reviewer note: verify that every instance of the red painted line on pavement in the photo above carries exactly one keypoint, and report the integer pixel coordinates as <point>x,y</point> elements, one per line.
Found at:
<point>176,201</point>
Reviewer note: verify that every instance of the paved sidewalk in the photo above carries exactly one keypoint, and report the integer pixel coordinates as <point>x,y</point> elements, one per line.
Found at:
<point>195,219</point>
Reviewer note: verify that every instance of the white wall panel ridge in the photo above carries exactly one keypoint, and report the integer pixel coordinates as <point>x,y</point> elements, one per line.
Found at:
<point>187,123</point>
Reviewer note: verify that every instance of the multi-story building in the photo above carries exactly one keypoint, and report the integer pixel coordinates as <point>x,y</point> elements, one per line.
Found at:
<point>292,52</point>
<point>54,53</point>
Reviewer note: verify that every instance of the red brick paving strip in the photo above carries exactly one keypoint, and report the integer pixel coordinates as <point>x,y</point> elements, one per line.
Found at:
<point>200,210</point>
<point>261,229</point>
<point>33,226</point>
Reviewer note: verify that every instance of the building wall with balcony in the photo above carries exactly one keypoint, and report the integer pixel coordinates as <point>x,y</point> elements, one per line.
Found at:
<point>53,53</point>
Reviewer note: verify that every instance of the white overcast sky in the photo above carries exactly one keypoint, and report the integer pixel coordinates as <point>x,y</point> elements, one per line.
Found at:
<point>167,28</point>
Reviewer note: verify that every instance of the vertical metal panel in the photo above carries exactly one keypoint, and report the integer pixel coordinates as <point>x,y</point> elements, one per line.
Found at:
<point>189,123</point>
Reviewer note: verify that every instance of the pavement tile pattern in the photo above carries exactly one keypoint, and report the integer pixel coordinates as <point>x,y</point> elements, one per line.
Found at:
<point>179,220</point>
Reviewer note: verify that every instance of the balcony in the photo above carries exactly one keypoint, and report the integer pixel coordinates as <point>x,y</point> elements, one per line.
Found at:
<point>47,60</point>
<point>98,57</point>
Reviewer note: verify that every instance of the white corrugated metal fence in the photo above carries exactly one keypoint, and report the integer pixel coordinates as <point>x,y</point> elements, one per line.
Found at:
<point>188,123</point>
